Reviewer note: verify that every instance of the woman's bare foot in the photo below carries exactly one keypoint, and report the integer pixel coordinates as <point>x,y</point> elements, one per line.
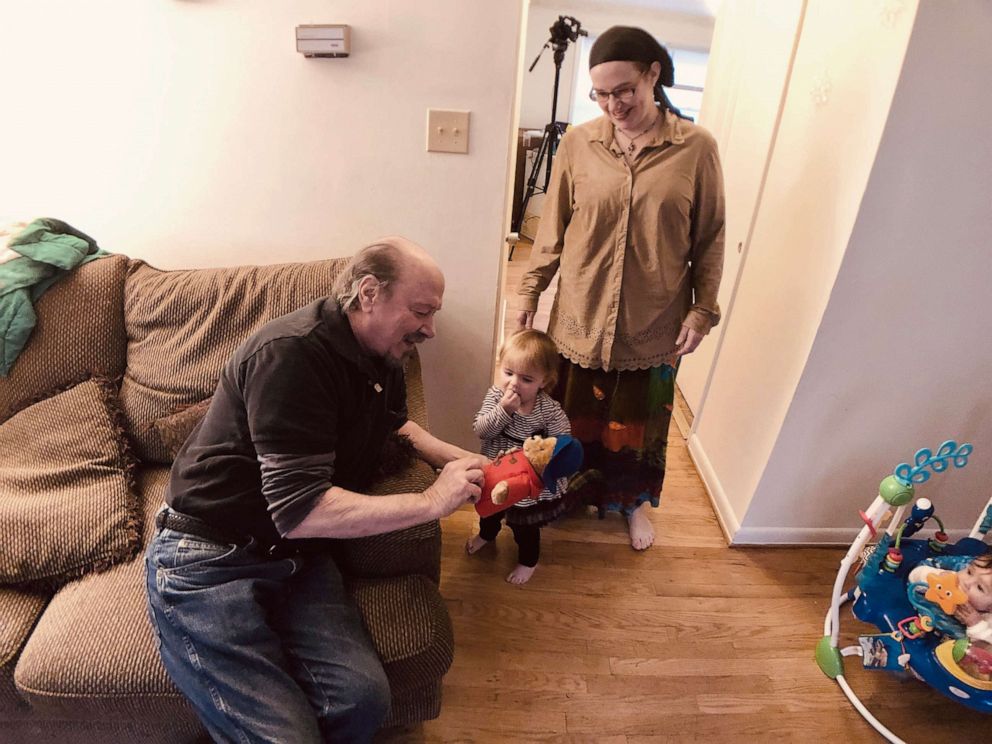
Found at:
<point>521,574</point>
<point>640,527</point>
<point>475,544</point>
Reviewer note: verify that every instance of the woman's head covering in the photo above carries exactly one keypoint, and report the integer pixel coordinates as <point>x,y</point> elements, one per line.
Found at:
<point>630,44</point>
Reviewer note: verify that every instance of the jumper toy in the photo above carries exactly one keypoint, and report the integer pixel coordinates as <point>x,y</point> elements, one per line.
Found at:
<point>919,633</point>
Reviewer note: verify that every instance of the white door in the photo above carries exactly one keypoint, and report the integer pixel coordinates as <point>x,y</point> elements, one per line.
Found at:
<point>750,60</point>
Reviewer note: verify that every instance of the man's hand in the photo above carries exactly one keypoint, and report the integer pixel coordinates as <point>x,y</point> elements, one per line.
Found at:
<point>968,615</point>
<point>460,481</point>
<point>525,319</point>
<point>688,341</point>
<point>510,402</point>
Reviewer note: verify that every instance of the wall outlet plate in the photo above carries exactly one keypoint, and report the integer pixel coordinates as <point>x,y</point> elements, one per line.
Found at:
<point>447,131</point>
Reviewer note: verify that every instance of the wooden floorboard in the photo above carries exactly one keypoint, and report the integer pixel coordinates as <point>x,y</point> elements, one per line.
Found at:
<point>688,641</point>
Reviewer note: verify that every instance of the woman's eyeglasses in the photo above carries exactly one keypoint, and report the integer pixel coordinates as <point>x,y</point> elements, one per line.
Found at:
<point>623,95</point>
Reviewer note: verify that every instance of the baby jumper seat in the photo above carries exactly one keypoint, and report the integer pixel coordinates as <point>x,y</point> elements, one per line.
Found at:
<point>918,633</point>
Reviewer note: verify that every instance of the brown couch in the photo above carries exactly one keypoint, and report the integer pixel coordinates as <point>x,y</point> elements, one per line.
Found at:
<point>78,662</point>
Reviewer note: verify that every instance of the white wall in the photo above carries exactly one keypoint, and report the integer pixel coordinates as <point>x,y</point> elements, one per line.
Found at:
<point>191,133</point>
<point>902,358</point>
<point>844,74</point>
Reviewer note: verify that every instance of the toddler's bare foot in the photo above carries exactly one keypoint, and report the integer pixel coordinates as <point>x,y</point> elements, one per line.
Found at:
<point>475,544</point>
<point>521,574</point>
<point>640,527</point>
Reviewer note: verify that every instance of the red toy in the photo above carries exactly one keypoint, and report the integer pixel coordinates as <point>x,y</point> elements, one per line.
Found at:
<point>524,473</point>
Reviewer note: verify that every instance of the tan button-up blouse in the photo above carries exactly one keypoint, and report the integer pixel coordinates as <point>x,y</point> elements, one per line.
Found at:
<point>639,247</point>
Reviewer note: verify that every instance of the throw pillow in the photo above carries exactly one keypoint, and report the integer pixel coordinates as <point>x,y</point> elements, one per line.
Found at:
<point>175,428</point>
<point>67,497</point>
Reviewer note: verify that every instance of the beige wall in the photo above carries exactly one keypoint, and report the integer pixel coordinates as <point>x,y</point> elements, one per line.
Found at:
<point>193,134</point>
<point>859,330</point>
<point>845,70</point>
<point>902,358</point>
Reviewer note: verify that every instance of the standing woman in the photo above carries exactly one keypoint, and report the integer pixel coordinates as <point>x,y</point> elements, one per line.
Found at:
<point>633,220</point>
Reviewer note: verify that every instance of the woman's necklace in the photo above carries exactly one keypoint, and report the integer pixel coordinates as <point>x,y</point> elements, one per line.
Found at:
<point>631,146</point>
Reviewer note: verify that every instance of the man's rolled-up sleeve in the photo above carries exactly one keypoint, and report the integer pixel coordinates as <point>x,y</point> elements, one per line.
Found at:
<point>292,412</point>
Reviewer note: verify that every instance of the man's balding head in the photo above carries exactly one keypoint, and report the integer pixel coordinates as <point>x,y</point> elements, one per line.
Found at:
<point>390,292</point>
<point>389,260</point>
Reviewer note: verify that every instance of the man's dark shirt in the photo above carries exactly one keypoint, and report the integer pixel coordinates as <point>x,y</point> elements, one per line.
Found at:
<point>298,408</point>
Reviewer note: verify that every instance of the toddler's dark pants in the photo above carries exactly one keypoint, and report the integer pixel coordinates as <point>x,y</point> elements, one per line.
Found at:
<point>527,537</point>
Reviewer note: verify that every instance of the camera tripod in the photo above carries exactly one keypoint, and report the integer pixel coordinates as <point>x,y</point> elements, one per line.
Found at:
<point>565,29</point>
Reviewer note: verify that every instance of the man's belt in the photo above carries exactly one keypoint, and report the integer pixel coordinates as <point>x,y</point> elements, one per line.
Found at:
<point>173,520</point>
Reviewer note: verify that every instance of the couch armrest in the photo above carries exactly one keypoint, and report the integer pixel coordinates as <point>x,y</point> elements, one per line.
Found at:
<point>416,404</point>
<point>415,550</point>
<point>411,629</point>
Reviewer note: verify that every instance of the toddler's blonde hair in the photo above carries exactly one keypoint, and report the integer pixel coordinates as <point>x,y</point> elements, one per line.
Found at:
<point>533,348</point>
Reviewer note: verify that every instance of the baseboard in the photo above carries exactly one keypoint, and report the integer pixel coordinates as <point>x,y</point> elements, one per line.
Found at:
<point>816,536</point>
<point>784,536</point>
<point>791,536</point>
<point>729,522</point>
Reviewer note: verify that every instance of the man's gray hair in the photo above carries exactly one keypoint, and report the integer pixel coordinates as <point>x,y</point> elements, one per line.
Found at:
<point>383,261</point>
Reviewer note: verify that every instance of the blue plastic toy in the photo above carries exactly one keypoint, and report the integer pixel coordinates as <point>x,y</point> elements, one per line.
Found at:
<point>916,635</point>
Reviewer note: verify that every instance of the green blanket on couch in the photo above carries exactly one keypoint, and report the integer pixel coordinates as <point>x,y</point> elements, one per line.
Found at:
<point>33,259</point>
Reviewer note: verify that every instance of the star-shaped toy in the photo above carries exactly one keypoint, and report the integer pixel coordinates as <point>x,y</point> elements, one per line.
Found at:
<point>943,589</point>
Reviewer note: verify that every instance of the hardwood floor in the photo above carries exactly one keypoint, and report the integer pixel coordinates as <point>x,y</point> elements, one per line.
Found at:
<point>688,641</point>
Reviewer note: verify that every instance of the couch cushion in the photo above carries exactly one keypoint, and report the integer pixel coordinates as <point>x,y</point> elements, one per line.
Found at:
<point>174,429</point>
<point>182,326</point>
<point>75,666</point>
<point>92,655</point>
<point>80,332</point>
<point>67,503</point>
<point>19,611</point>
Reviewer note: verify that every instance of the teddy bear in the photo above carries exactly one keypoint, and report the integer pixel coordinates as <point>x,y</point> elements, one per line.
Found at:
<point>523,473</point>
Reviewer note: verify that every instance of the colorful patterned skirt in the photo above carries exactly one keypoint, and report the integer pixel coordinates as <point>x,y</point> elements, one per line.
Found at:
<point>622,419</point>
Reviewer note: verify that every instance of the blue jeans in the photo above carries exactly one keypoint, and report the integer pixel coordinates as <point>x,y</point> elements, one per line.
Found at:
<point>267,650</point>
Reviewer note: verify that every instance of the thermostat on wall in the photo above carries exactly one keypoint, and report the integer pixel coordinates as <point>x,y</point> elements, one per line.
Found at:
<point>323,40</point>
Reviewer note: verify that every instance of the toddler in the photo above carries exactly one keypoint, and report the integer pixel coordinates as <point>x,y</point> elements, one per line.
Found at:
<point>518,407</point>
<point>975,579</point>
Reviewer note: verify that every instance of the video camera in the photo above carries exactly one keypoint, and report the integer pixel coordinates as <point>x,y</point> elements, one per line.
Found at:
<point>566,29</point>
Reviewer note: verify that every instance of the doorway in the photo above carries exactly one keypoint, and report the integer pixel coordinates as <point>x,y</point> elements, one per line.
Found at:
<point>685,27</point>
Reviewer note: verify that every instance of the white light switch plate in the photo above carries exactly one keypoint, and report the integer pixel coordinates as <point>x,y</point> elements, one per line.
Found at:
<point>447,131</point>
